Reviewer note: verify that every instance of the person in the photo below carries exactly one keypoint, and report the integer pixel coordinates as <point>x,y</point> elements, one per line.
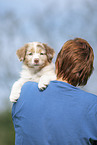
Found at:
<point>62,114</point>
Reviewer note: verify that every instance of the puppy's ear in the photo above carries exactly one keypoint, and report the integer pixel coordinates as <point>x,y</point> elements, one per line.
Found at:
<point>50,52</point>
<point>22,52</point>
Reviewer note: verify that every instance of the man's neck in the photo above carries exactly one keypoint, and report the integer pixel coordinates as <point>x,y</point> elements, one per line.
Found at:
<point>60,79</point>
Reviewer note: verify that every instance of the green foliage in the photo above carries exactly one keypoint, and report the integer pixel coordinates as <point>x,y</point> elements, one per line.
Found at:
<point>7,135</point>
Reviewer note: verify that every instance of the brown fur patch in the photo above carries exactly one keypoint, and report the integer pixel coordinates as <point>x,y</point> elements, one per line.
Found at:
<point>22,52</point>
<point>50,52</point>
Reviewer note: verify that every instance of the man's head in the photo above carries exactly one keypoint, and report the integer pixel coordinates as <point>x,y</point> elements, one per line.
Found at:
<point>74,62</point>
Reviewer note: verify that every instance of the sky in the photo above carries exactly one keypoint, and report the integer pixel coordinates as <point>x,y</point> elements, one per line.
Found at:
<point>51,22</point>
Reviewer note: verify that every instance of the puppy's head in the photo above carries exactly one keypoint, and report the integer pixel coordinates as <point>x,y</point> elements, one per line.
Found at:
<point>35,54</point>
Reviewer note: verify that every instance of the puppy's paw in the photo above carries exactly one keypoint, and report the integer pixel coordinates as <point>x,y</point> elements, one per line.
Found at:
<point>15,92</point>
<point>14,97</point>
<point>42,86</point>
<point>43,83</point>
<point>13,100</point>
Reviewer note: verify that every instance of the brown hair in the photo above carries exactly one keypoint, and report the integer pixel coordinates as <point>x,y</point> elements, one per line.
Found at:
<point>74,62</point>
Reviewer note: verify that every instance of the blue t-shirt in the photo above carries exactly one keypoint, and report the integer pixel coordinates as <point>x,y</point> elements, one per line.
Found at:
<point>60,115</point>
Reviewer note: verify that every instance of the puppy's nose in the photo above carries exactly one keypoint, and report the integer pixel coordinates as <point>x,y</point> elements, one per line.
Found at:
<point>36,60</point>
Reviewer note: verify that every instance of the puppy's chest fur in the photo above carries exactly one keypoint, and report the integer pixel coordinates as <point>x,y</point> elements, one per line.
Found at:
<point>31,74</point>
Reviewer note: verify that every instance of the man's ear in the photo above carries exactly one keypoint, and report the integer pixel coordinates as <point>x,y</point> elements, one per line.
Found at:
<point>50,52</point>
<point>22,52</point>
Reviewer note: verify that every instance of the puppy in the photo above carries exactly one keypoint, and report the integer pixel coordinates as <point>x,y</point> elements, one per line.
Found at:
<point>37,67</point>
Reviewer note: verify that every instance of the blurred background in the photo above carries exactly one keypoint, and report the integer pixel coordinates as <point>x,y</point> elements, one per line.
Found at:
<point>52,22</point>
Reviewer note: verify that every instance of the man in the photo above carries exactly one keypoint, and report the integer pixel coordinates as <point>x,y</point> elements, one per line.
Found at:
<point>62,114</point>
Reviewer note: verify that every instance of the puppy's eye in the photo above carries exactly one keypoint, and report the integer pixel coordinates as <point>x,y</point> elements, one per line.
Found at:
<point>42,53</point>
<point>30,53</point>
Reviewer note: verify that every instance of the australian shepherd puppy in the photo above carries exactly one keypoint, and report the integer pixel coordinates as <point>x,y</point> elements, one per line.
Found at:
<point>37,67</point>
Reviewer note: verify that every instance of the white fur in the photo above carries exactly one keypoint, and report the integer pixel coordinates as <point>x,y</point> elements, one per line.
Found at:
<point>43,77</point>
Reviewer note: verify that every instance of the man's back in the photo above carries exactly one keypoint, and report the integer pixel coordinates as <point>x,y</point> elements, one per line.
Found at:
<point>60,115</point>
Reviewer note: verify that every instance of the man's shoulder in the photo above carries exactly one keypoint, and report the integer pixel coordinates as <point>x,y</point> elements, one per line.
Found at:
<point>29,84</point>
<point>88,99</point>
<point>28,89</point>
<point>88,95</point>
